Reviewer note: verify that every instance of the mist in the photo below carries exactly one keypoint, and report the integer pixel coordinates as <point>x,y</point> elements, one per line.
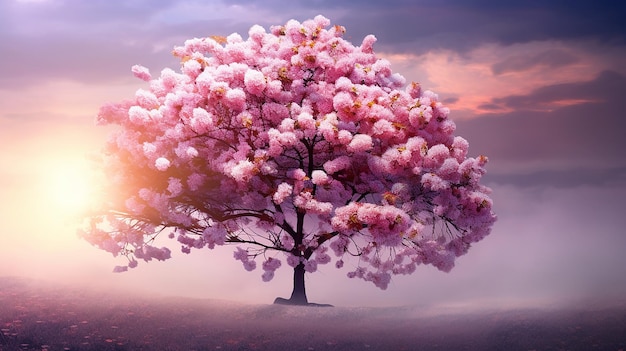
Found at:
<point>550,247</point>
<point>545,104</point>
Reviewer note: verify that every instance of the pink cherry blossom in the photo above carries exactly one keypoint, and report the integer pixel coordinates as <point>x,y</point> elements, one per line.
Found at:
<point>254,82</point>
<point>271,264</point>
<point>162,163</point>
<point>141,72</point>
<point>310,266</point>
<point>119,269</point>
<point>294,143</point>
<point>293,260</point>
<point>282,192</point>
<point>319,177</point>
<point>360,143</point>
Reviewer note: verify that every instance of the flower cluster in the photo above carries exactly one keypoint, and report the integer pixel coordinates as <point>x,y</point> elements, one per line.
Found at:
<point>243,256</point>
<point>293,140</point>
<point>269,267</point>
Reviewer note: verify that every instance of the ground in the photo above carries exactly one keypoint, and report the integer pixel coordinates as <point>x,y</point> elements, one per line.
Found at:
<point>37,316</point>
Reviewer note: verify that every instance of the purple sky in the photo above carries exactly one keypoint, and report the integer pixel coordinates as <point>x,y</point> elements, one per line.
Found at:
<point>538,86</point>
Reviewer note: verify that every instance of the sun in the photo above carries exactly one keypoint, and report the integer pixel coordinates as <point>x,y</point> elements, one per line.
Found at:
<point>70,187</point>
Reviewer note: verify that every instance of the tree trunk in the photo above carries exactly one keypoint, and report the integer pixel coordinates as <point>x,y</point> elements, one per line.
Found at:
<point>298,295</point>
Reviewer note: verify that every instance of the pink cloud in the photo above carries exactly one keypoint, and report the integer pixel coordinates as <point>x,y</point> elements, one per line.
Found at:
<point>489,72</point>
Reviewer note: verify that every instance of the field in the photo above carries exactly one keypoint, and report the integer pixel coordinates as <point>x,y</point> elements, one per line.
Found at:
<point>38,316</point>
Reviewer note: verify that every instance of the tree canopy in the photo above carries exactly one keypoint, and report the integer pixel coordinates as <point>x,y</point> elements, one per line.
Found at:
<point>296,146</point>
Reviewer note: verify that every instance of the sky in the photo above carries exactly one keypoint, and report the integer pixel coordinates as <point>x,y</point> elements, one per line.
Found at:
<point>537,86</point>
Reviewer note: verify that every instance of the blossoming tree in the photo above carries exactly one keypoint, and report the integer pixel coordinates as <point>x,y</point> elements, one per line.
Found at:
<point>296,146</point>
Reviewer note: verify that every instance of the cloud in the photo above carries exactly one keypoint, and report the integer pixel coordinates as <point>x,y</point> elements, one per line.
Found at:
<point>95,42</point>
<point>550,59</point>
<point>556,130</point>
<point>471,86</point>
<point>92,13</point>
<point>99,40</point>
<point>568,178</point>
<point>608,86</point>
<point>419,26</point>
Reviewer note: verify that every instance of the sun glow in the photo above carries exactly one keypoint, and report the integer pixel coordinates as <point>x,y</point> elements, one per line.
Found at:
<point>70,187</point>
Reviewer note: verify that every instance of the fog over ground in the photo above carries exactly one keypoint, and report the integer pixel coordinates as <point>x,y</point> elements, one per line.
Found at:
<point>44,316</point>
<point>536,86</point>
